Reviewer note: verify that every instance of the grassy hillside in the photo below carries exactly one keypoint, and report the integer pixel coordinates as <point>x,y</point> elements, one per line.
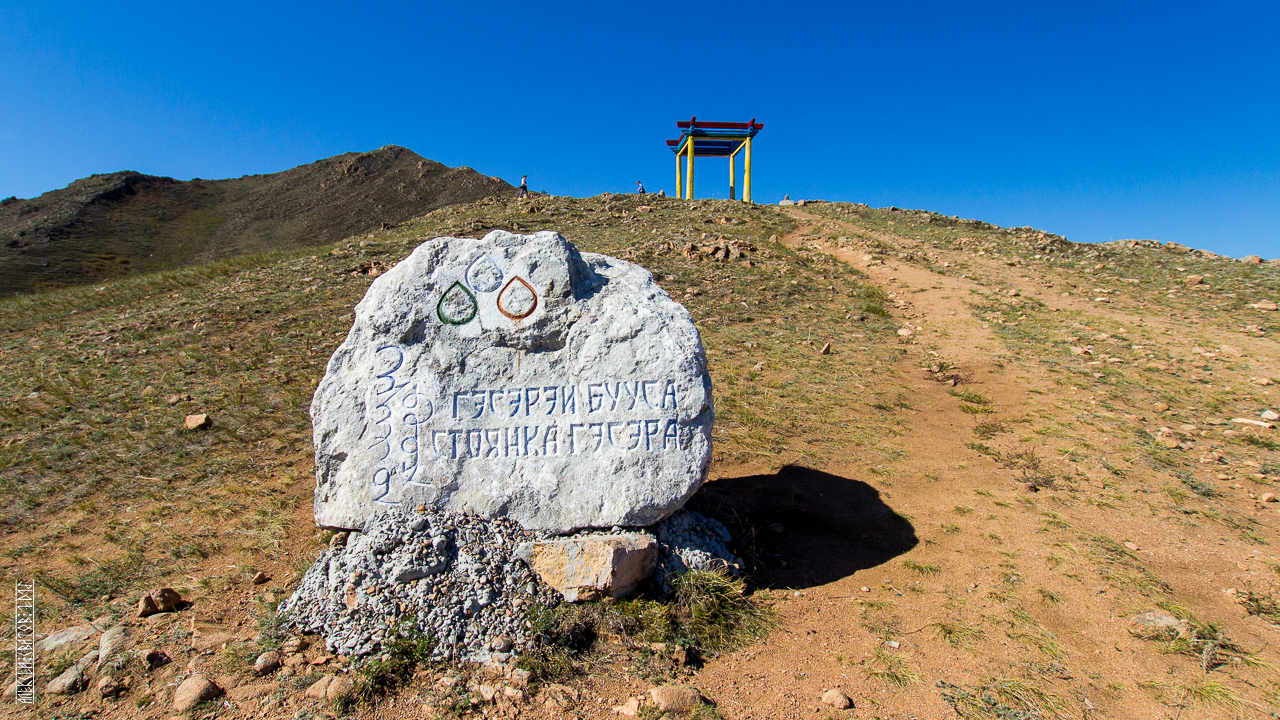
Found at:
<point>959,457</point>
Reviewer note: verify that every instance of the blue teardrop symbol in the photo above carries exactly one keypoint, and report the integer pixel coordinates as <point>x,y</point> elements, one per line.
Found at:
<point>484,275</point>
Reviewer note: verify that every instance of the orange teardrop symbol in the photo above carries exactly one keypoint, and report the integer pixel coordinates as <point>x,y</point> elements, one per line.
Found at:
<point>518,299</point>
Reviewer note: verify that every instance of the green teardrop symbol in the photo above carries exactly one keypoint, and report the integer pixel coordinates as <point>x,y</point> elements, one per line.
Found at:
<point>518,299</point>
<point>457,305</point>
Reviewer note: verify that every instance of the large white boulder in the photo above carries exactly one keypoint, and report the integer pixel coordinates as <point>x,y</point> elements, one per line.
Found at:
<point>514,376</point>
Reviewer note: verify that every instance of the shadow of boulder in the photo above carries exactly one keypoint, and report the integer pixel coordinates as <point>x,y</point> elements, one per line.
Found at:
<point>798,528</point>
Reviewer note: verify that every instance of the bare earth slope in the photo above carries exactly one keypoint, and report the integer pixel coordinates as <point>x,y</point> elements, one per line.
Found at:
<point>106,226</point>
<point>959,460</point>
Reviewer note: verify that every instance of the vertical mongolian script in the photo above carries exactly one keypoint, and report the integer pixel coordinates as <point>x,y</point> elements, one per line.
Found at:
<point>24,641</point>
<point>397,410</point>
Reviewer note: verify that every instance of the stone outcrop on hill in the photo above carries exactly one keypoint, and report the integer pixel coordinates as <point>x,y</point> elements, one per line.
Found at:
<point>115,224</point>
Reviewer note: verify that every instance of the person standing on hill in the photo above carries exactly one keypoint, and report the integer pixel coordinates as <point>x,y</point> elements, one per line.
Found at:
<point>639,187</point>
<point>524,186</point>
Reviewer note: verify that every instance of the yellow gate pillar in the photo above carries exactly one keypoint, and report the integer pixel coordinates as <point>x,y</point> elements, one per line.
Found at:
<point>679,178</point>
<point>733,175</point>
<point>688,194</point>
<point>746,178</point>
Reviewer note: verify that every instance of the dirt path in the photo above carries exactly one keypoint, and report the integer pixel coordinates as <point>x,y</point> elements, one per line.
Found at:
<point>823,641</point>
<point>926,301</point>
<point>884,632</point>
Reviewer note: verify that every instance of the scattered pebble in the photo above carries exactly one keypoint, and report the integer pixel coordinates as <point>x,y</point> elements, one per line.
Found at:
<point>194,690</point>
<point>108,686</point>
<point>154,658</point>
<point>675,699</point>
<point>837,699</point>
<point>267,663</point>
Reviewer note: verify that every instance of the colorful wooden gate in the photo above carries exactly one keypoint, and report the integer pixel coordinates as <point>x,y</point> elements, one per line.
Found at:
<point>714,139</point>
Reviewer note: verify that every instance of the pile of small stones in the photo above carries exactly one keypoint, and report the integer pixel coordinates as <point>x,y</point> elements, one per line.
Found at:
<point>692,541</point>
<point>457,578</point>
<point>447,575</point>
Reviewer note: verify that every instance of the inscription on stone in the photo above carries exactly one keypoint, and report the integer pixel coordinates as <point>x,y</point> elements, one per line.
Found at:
<point>561,388</point>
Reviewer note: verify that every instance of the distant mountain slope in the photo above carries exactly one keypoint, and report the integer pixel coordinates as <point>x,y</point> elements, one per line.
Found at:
<point>121,223</point>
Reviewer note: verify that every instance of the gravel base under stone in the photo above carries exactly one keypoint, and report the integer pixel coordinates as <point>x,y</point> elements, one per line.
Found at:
<point>458,576</point>
<point>692,541</point>
<point>454,572</point>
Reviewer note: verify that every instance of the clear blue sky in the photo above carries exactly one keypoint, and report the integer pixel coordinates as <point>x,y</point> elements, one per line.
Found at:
<point>1094,120</point>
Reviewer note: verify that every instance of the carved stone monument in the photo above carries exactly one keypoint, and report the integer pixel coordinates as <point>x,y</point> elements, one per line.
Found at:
<point>514,376</point>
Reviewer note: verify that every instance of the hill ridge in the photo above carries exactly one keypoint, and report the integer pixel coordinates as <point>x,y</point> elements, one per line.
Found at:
<point>114,224</point>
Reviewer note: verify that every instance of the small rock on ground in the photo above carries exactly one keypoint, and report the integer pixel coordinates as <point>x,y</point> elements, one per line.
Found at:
<point>193,691</point>
<point>55,642</point>
<point>593,565</point>
<point>339,687</point>
<point>154,658</point>
<point>1157,624</point>
<point>267,662</point>
<point>166,599</point>
<point>109,686</point>
<point>318,688</point>
<point>837,699</point>
<point>295,645</point>
<point>72,680</point>
<point>670,698</point>
<point>111,643</point>
<point>146,606</point>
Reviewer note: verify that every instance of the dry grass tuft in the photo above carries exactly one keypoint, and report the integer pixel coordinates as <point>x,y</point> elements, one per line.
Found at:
<point>891,669</point>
